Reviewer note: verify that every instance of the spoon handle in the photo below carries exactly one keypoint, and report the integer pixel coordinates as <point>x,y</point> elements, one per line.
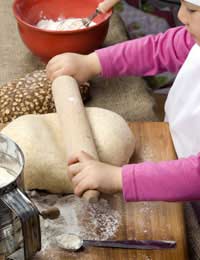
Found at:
<point>106,5</point>
<point>132,244</point>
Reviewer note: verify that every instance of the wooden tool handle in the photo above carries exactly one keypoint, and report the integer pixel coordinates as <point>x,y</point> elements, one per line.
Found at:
<point>50,213</point>
<point>106,5</point>
<point>74,122</point>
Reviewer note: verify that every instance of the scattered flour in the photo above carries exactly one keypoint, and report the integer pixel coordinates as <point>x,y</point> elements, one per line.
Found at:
<point>96,221</point>
<point>69,24</point>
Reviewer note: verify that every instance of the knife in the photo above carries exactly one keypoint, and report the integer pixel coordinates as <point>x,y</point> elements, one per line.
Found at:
<point>132,244</point>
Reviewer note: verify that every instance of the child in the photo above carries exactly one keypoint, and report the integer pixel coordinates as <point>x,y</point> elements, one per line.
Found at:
<point>176,50</point>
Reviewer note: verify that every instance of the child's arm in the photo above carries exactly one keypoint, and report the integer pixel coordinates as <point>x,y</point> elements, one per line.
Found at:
<point>177,180</point>
<point>148,55</point>
<point>81,67</point>
<point>141,57</point>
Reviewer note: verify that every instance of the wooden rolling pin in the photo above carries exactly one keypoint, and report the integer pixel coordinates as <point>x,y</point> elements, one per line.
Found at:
<point>74,122</point>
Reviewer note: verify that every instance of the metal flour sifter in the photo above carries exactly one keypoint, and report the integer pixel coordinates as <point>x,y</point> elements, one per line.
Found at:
<point>19,217</point>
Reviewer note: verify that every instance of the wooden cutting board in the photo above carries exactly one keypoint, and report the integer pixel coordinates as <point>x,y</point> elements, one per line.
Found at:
<point>148,220</point>
<point>140,220</point>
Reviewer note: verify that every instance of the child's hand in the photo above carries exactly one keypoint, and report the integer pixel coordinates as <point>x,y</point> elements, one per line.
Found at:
<point>86,173</point>
<point>81,67</point>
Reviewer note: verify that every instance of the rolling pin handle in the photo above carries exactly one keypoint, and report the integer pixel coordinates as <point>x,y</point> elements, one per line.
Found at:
<point>91,196</point>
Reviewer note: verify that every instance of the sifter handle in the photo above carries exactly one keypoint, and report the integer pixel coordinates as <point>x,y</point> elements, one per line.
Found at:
<point>50,213</point>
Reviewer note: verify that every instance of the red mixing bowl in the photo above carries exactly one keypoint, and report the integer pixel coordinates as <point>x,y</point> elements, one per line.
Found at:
<point>45,43</point>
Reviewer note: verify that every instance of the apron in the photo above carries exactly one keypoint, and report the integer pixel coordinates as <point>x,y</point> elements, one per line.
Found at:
<point>182,107</point>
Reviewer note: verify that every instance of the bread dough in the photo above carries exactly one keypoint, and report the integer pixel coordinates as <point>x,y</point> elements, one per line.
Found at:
<point>40,138</point>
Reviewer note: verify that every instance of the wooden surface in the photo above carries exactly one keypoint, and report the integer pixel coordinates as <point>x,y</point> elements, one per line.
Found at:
<point>140,220</point>
<point>146,220</point>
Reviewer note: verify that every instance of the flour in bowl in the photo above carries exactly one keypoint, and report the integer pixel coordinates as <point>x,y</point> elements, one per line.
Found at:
<point>6,177</point>
<point>69,24</point>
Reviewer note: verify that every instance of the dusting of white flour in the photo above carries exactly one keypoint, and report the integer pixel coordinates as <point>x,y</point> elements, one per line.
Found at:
<point>69,24</point>
<point>69,242</point>
<point>96,221</point>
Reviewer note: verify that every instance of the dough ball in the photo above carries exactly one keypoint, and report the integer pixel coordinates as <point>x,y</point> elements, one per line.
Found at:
<point>40,138</point>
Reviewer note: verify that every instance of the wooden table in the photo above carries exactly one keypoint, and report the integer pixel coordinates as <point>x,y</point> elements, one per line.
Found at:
<point>141,220</point>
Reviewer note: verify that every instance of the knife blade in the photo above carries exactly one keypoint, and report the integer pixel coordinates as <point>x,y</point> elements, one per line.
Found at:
<point>132,244</point>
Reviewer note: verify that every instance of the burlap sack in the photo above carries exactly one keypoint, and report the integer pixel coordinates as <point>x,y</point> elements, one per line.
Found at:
<point>15,59</point>
<point>127,96</point>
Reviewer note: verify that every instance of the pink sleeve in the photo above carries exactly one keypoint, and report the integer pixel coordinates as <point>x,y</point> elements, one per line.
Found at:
<point>177,180</point>
<point>148,55</point>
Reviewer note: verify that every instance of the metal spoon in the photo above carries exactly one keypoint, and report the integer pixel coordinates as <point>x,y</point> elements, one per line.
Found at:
<point>102,7</point>
<point>73,242</point>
